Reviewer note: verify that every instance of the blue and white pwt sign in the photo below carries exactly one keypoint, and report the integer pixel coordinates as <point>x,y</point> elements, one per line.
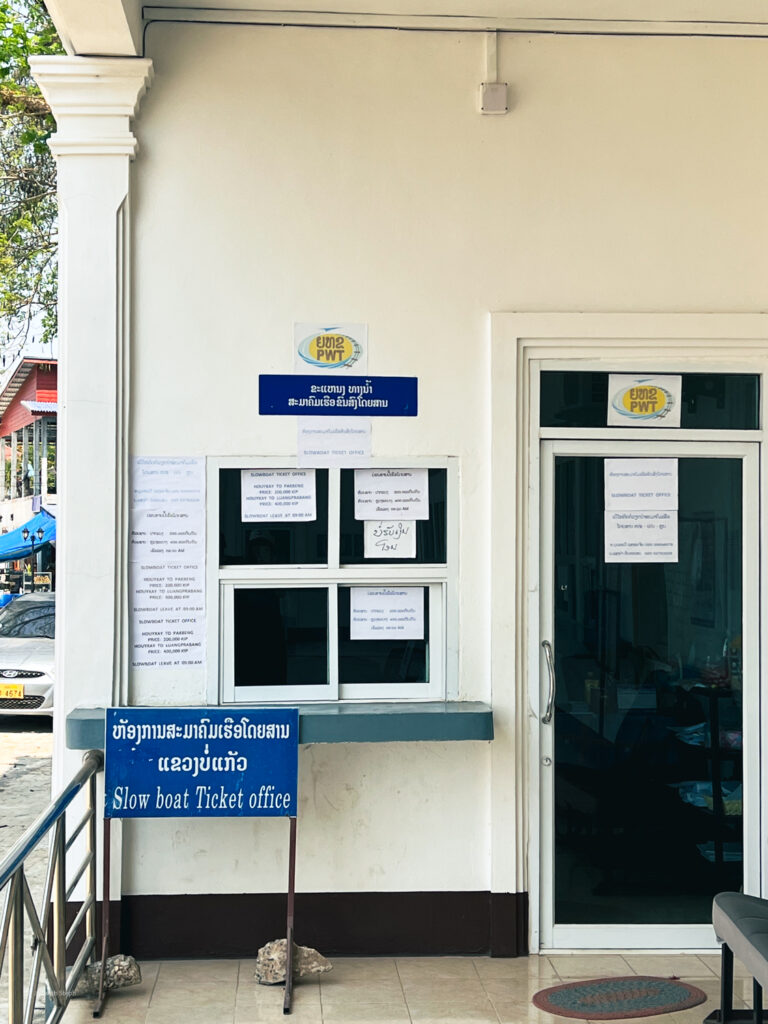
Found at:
<point>201,762</point>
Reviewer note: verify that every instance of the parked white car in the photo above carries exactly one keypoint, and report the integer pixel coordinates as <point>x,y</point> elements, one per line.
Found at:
<point>27,627</point>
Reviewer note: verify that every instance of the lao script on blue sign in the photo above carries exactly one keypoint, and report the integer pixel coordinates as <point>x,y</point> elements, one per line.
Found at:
<point>295,394</point>
<point>201,762</point>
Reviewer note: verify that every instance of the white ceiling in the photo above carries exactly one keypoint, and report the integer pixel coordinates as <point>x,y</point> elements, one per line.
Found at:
<point>115,27</point>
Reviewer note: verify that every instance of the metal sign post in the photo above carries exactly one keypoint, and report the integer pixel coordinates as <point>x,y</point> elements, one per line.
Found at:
<point>103,990</point>
<point>201,763</point>
<point>289,923</point>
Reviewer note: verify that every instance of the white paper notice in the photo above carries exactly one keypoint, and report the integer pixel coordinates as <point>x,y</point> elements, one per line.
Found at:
<point>334,441</point>
<point>171,533</point>
<point>386,613</point>
<point>167,554</point>
<point>641,536</point>
<point>168,620</point>
<point>641,501</point>
<point>389,538</point>
<point>644,401</point>
<point>649,484</point>
<point>278,496</point>
<point>391,494</point>
<point>168,483</point>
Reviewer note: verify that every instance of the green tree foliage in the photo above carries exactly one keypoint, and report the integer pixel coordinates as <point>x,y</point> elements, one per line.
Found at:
<point>28,236</point>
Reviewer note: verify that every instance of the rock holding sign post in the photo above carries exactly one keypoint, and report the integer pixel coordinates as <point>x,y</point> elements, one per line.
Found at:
<point>270,962</point>
<point>120,971</point>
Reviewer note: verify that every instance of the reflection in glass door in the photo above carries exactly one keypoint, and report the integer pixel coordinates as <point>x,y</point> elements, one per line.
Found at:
<point>646,787</point>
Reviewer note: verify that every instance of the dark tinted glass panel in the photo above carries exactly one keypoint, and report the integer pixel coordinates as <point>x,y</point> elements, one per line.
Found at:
<point>430,533</point>
<point>281,636</point>
<point>710,401</point>
<point>648,708</point>
<point>381,661</point>
<point>270,543</point>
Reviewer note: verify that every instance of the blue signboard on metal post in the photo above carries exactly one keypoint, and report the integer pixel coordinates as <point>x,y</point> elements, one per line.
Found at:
<point>296,394</point>
<point>201,762</point>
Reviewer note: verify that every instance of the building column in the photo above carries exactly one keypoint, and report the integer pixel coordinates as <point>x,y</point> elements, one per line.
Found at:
<point>43,460</point>
<point>35,457</point>
<point>3,488</point>
<point>93,101</point>
<point>14,464</point>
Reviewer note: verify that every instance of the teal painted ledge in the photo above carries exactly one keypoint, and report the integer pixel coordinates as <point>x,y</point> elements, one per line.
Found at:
<point>342,723</point>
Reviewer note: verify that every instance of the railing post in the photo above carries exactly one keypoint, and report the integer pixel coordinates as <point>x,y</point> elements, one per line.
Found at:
<point>59,900</point>
<point>49,925</point>
<point>16,950</point>
<point>90,919</point>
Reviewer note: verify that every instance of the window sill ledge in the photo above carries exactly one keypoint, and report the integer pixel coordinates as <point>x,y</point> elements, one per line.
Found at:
<point>437,721</point>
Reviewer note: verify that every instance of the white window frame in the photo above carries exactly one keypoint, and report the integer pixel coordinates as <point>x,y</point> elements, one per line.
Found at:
<point>441,580</point>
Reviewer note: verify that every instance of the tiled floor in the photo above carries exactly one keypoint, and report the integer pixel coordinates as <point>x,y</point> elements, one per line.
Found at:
<point>475,990</point>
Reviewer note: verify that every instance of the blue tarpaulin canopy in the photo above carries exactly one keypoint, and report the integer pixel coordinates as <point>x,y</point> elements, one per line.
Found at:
<point>13,545</point>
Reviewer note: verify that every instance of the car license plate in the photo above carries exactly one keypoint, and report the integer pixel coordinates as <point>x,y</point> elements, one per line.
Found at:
<point>12,691</point>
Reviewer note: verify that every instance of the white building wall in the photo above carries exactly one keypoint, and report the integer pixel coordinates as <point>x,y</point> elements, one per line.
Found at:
<point>296,175</point>
<point>373,817</point>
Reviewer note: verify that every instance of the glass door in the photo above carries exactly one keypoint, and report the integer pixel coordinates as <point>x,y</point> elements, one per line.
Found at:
<point>649,690</point>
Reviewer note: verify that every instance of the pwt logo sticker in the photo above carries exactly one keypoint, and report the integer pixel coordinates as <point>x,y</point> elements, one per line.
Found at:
<point>330,350</point>
<point>644,401</point>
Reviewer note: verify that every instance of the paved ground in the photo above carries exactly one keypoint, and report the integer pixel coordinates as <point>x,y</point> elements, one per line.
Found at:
<point>26,745</point>
<point>406,990</point>
<point>25,774</point>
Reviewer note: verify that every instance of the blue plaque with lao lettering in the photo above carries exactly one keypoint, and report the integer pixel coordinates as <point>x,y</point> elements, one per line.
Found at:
<point>201,762</point>
<point>297,394</point>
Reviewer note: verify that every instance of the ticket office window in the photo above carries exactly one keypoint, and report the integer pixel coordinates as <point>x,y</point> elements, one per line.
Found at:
<point>300,614</point>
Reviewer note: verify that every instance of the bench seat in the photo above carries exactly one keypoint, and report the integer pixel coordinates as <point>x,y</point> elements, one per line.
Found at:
<point>741,925</point>
<point>742,922</point>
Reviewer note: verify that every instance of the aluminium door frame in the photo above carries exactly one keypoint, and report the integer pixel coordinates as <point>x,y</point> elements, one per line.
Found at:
<point>644,444</point>
<point>521,345</point>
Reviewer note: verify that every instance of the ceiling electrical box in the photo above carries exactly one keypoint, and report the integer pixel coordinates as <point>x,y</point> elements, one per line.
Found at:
<point>493,98</point>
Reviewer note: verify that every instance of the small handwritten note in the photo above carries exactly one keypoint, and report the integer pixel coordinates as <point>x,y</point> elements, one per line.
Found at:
<point>278,495</point>
<point>386,613</point>
<point>389,538</point>
<point>391,494</point>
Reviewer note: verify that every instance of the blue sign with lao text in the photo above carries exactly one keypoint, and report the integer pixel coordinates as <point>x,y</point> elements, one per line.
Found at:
<point>296,394</point>
<point>201,763</point>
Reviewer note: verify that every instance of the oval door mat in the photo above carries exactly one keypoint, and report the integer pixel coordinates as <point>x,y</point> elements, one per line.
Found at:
<point>617,998</point>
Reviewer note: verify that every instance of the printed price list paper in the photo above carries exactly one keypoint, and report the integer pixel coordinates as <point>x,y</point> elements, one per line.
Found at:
<point>278,496</point>
<point>167,571</point>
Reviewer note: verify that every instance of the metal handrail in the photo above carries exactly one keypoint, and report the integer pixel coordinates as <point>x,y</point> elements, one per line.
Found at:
<point>50,940</point>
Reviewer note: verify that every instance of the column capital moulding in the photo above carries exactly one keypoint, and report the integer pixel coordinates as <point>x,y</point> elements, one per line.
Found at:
<point>93,100</point>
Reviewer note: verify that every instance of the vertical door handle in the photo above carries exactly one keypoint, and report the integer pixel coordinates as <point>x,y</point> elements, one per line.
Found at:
<point>547,716</point>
